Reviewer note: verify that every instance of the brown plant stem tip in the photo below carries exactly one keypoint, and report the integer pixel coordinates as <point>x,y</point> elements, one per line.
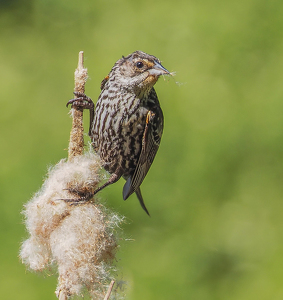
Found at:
<point>76,144</point>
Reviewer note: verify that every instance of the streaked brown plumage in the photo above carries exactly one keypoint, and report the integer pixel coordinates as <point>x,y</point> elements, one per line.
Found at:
<point>128,121</point>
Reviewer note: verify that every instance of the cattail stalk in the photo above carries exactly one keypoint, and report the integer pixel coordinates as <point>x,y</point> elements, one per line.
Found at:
<point>109,290</point>
<point>80,240</point>
<point>76,144</point>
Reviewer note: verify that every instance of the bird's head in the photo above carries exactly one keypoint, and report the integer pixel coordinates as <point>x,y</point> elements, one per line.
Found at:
<point>138,71</point>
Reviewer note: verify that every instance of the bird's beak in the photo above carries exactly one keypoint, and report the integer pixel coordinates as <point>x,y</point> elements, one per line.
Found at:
<point>158,70</point>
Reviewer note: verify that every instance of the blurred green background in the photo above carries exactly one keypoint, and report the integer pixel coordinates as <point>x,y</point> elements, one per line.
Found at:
<point>215,189</point>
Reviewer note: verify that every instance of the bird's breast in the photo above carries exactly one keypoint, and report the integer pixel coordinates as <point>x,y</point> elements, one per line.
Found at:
<point>118,130</point>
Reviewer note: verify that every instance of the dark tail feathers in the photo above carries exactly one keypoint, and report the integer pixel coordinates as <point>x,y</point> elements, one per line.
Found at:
<point>127,191</point>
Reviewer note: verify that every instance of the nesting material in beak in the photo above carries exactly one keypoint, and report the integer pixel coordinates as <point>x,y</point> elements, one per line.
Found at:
<point>158,70</point>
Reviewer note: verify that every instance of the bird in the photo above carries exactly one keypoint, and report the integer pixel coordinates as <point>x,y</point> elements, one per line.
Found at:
<point>127,124</point>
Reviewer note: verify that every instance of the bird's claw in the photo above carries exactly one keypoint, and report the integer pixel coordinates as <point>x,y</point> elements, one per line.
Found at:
<point>82,197</point>
<point>81,100</point>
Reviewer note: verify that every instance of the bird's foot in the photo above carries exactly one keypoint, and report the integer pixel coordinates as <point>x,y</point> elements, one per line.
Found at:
<point>81,197</point>
<point>81,101</point>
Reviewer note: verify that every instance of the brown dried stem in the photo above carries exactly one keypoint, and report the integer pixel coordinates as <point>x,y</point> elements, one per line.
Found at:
<point>109,290</point>
<point>62,296</point>
<point>76,144</point>
<point>81,240</point>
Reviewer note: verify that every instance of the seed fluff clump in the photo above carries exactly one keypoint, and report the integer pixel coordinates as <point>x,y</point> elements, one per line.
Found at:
<point>80,240</point>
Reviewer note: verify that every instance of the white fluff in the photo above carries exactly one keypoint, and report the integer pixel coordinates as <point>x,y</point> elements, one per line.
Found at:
<point>79,239</point>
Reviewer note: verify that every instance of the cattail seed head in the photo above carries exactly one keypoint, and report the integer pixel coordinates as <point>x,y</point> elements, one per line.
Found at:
<point>81,240</point>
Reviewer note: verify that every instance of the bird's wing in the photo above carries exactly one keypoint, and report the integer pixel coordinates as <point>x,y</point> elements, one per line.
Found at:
<point>150,144</point>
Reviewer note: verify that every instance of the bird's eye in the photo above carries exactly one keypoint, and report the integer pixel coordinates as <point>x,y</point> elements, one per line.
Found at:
<point>139,64</point>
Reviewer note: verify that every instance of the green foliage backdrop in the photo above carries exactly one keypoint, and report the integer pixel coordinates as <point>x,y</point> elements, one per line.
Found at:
<point>215,189</point>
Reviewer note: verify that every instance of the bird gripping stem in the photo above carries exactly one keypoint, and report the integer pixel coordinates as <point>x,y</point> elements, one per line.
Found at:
<point>76,143</point>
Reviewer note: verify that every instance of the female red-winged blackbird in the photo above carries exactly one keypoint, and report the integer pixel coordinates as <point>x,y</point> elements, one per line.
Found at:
<point>128,122</point>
